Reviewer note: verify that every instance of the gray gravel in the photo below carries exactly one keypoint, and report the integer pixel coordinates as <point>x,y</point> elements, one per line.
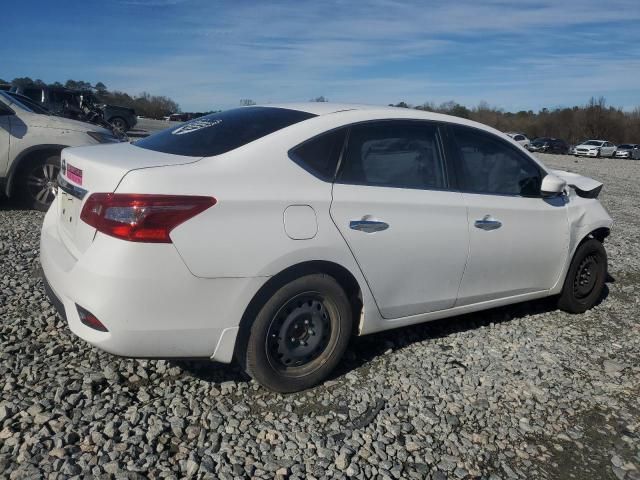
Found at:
<point>518,392</point>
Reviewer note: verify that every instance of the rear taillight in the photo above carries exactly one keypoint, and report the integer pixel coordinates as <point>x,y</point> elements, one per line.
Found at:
<point>140,217</point>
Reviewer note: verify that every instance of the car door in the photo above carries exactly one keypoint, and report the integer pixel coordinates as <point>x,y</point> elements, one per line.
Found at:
<point>611,149</point>
<point>406,228</point>
<point>518,241</point>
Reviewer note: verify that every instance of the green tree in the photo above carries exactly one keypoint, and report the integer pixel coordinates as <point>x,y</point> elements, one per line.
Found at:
<point>101,87</point>
<point>22,82</point>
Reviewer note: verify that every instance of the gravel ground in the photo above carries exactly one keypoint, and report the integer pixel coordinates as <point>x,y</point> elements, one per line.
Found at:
<point>518,392</point>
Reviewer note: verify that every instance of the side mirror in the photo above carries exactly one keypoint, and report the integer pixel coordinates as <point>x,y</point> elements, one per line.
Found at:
<point>552,186</point>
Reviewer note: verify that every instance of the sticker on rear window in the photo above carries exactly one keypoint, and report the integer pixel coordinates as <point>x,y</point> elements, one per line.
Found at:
<point>74,174</point>
<point>195,125</point>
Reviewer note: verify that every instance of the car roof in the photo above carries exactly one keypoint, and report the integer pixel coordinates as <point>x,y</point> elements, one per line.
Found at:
<point>378,112</point>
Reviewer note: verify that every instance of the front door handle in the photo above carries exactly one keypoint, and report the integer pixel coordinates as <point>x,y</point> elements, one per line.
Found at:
<point>488,223</point>
<point>368,225</point>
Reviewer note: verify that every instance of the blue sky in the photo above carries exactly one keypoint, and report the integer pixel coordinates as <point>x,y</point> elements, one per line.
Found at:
<point>209,54</point>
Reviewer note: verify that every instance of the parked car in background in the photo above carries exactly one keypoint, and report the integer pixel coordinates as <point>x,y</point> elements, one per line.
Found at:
<point>628,150</point>
<point>198,256</point>
<point>595,148</point>
<point>31,139</point>
<point>73,103</point>
<point>521,138</point>
<point>549,145</point>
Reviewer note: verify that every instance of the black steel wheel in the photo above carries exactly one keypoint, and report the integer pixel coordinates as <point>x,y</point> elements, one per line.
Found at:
<point>299,332</point>
<point>298,335</point>
<point>585,278</point>
<point>40,182</point>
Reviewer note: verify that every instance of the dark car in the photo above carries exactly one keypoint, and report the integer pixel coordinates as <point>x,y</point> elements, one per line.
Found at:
<point>5,87</point>
<point>549,145</point>
<point>74,103</point>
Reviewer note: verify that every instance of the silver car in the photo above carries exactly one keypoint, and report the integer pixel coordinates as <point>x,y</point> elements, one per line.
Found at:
<point>628,150</point>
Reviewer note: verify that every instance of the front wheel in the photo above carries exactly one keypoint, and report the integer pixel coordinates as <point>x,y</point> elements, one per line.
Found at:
<point>39,183</point>
<point>299,335</point>
<point>119,124</point>
<point>585,279</point>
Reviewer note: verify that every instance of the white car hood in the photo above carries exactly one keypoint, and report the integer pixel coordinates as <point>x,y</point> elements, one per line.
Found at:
<point>52,121</point>
<point>582,185</point>
<point>582,145</point>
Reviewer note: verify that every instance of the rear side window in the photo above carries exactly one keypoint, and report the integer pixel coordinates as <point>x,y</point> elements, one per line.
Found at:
<point>319,155</point>
<point>490,165</point>
<point>222,132</point>
<point>394,154</point>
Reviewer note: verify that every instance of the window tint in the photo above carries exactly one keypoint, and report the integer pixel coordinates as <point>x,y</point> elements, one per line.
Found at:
<point>394,154</point>
<point>489,165</point>
<point>320,154</point>
<point>222,132</point>
<point>518,138</point>
<point>34,94</point>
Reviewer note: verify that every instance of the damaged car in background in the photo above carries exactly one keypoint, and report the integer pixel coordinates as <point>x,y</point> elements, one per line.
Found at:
<point>80,105</point>
<point>373,218</point>
<point>31,139</point>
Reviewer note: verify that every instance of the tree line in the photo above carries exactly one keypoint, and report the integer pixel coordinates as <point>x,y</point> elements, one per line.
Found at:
<point>145,104</point>
<point>594,120</point>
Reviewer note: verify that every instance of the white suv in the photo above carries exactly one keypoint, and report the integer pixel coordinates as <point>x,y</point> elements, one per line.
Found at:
<point>31,139</point>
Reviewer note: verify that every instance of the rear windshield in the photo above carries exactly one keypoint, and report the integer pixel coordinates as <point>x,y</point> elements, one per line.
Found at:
<point>222,132</point>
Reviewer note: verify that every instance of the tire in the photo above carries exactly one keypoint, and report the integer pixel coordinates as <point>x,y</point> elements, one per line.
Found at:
<point>38,182</point>
<point>299,334</point>
<point>119,124</point>
<point>585,279</point>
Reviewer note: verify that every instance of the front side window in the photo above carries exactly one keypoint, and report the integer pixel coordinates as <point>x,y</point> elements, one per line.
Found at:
<point>490,165</point>
<point>222,132</point>
<point>319,155</point>
<point>518,138</point>
<point>402,154</point>
<point>34,94</point>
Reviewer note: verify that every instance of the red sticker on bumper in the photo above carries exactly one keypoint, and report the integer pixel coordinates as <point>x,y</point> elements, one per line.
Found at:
<point>74,174</point>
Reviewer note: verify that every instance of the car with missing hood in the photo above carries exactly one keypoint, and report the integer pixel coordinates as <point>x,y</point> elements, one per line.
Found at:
<point>270,235</point>
<point>549,145</point>
<point>31,139</point>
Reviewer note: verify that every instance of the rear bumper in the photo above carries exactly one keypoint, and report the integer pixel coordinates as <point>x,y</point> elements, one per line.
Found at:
<point>150,303</point>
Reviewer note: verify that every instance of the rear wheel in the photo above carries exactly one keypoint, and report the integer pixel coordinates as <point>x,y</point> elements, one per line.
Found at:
<point>585,279</point>
<point>39,182</point>
<point>299,335</point>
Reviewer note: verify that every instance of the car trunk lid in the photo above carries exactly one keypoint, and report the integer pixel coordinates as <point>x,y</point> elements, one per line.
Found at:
<point>98,169</point>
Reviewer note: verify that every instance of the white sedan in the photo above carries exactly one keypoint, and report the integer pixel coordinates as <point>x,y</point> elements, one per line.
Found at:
<point>272,234</point>
<point>595,148</point>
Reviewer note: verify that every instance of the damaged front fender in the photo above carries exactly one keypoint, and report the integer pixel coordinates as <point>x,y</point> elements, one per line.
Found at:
<point>584,186</point>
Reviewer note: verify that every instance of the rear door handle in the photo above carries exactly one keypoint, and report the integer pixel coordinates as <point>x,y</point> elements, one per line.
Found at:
<point>368,226</point>
<point>488,223</point>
